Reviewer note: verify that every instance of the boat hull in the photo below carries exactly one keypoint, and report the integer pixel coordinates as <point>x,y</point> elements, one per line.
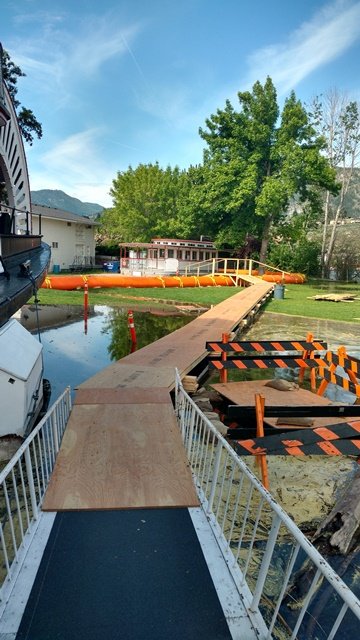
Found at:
<point>16,290</point>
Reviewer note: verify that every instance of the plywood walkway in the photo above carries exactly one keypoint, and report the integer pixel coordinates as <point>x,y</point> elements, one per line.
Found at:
<point>243,394</point>
<point>122,448</point>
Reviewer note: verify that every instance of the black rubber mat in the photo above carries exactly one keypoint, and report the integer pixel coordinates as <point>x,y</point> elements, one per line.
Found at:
<point>137,575</point>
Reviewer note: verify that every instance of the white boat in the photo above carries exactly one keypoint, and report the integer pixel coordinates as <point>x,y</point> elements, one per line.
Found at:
<point>24,260</point>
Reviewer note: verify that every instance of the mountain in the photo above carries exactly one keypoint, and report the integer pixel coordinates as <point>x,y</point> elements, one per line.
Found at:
<point>59,200</point>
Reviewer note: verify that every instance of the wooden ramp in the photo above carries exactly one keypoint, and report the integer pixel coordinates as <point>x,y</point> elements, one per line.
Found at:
<point>121,451</point>
<point>122,448</point>
<point>243,394</point>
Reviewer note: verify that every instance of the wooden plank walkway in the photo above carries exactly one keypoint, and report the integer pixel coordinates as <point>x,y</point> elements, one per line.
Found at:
<point>243,394</point>
<point>122,448</point>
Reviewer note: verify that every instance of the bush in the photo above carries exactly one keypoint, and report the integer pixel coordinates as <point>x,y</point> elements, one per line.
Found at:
<point>298,257</point>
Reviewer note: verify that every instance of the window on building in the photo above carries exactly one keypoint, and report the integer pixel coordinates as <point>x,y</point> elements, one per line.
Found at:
<point>170,253</point>
<point>187,255</point>
<point>68,224</point>
<point>194,255</point>
<point>207,255</point>
<point>55,245</point>
<point>201,255</point>
<point>162,253</point>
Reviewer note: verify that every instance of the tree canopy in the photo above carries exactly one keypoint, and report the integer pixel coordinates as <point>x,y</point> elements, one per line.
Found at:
<point>29,125</point>
<point>256,161</point>
<point>148,202</point>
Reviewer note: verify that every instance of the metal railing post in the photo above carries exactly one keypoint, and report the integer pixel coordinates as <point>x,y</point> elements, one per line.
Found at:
<point>215,477</point>
<point>54,426</point>
<point>30,477</point>
<point>264,567</point>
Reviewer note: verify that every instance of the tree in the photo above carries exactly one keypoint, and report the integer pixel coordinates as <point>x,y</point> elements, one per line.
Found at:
<point>293,248</point>
<point>338,121</point>
<point>29,125</point>
<point>148,202</point>
<point>254,165</point>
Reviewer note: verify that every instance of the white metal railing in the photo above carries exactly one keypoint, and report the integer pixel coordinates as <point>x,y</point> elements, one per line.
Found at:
<point>264,549</point>
<point>231,266</point>
<point>23,482</point>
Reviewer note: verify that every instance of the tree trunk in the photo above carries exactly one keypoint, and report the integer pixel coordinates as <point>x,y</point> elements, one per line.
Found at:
<point>325,228</point>
<point>341,527</point>
<point>265,242</point>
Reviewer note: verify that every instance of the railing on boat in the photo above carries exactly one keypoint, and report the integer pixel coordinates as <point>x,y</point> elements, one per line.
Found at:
<point>261,544</point>
<point>23,482</point>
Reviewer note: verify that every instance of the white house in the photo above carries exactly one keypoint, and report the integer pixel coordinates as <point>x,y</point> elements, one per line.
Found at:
<point>70,236</point>
<point>166,255</point>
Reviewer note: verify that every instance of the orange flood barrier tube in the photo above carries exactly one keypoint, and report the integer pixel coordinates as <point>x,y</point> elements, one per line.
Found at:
<point>287,278</point>
<point>71,282</point>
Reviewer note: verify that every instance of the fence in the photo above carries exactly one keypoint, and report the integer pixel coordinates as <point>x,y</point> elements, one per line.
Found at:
<point>284,581</point>
<point>23,482</point>
<point>231,266</point>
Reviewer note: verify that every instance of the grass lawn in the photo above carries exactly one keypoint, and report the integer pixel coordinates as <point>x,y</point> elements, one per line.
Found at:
<point>296,301</point>
<point>119,297</point>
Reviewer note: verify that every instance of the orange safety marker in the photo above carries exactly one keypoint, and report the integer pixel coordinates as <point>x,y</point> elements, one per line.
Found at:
<point>131,326</point>
<point>86,306</point>
<point>309,338</point>
<point>223,372</point>
<point>259,409</point>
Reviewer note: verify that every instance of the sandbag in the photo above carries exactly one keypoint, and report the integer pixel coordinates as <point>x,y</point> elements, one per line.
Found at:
<point>282,385</point>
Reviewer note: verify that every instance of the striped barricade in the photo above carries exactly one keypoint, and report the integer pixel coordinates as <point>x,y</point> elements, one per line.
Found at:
<point>333,440</point>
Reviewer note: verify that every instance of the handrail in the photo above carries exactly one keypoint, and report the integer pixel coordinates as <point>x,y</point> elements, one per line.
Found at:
<point>257,537</point>
<point>12,211</point>
<point>231,266</point>
<point>23,482</point>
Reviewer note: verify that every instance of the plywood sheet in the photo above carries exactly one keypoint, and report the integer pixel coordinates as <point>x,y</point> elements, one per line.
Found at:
<point>243,394</point>
<point>121,456</point>
<point>131,395</point>
<point>126,376</point>
<point>154,364</point>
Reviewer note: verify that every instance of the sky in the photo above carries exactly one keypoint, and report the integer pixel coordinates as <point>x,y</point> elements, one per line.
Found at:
<point>115,84</point>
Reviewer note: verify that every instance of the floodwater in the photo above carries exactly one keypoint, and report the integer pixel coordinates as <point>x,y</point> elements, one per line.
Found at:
<point>72,353</point>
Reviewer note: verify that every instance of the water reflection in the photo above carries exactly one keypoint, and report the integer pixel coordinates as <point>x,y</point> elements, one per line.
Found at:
<point>71,356</point>
<point>149,326</point>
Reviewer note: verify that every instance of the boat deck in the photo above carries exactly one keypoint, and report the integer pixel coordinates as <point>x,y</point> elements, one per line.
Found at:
<point>136,574</point>
<point>119,563</point>
<point>17,289</point>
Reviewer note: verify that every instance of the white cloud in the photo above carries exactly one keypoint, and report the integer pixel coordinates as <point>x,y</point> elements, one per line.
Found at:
<point>330,33</point>
<point>56,55</point>
<point>69,165</point>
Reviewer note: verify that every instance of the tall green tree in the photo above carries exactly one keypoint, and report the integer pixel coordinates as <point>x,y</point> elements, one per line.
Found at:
<point>147,202</point>
<point>256,161</point>
<point>337,119</point>
<point>28,123</point>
